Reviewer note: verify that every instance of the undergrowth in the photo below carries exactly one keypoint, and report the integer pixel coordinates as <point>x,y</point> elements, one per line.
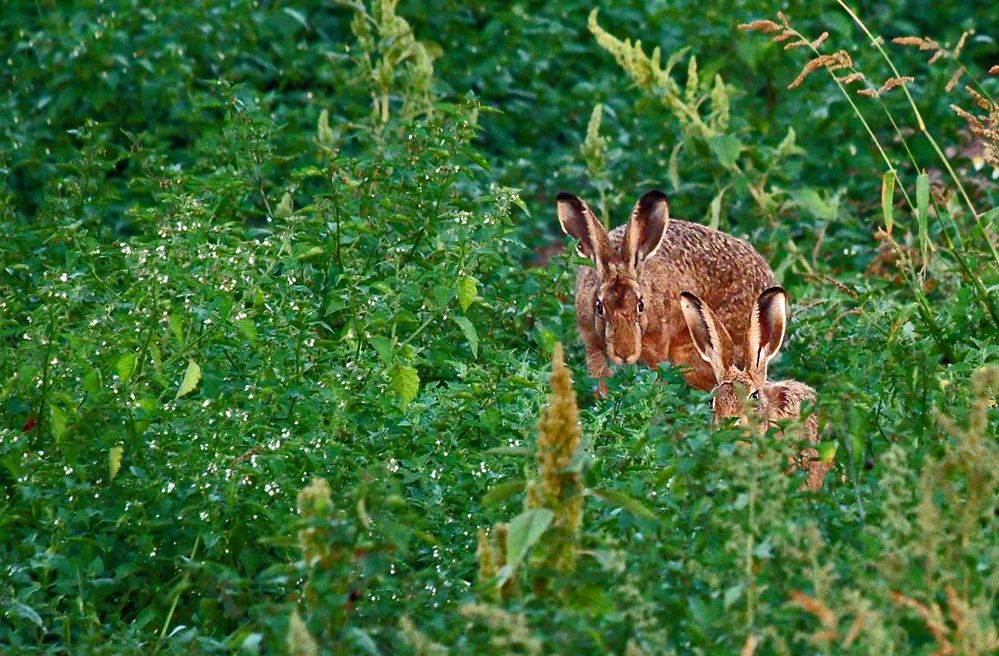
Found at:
<point>282,317</point>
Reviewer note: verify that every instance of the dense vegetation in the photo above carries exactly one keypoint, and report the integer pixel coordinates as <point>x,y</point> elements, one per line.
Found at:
<point>282,288</point>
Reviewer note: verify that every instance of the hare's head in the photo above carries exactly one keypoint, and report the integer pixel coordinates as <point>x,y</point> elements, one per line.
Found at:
<point>620,305</point>
<point>741,392</point>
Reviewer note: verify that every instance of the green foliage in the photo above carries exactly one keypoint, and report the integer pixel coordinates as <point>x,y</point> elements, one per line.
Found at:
<point>275,325</point>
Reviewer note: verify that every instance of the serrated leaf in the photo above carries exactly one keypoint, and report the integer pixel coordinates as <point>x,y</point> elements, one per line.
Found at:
<point>468,291</point>
<point>405,382</point>
<point>115,454</point>
<point>176,327</point>
<point>59,422</point>
<point>888,199</point>
<point>624,501</point>
<point>286,207</point>
<point>468,329</point>
<point>192,376</point>
<point>810,200</point>
<point>727,149</point>
<point>502,491</point>
<point>125,366</point>
<point>248,329</point>
<point>384,347</point>
<point>923,213</point>
<point>92,383</point>
<point>523,531</point>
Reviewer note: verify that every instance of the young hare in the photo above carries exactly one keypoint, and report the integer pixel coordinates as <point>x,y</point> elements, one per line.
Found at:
<point>741,388</point>
<point>627,303</point>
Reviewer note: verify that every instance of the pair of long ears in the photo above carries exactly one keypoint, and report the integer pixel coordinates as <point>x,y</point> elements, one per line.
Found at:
<point>642,238</point>
<point>767,324</point>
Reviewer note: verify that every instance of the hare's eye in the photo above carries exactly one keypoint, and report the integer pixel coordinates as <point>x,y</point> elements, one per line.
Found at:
<point>641,305</point>
<point>599,308</point>
<point>755,395</point>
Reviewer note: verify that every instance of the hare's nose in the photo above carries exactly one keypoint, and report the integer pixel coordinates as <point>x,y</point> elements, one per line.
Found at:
<point>633,358</point>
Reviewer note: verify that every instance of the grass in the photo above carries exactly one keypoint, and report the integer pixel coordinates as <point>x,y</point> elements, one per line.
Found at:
<point>288,359</point>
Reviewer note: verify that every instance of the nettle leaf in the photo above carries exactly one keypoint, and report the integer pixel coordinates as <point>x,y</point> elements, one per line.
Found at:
<point>192,376</point>
<point>384,347</point>
<point>467,291</point>
<point>115,454</point>
<point>810,200</point>
<point>176,327</point>
<point>468,329</point>
<point>727,149</point>
<point>524,530</point>
<point>405,382</point>
<point>59,422</point>
<point>248,329</point>
<point>125,366</point>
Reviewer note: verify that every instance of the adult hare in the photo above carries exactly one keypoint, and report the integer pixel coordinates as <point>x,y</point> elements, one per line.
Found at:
<point>628,302</point>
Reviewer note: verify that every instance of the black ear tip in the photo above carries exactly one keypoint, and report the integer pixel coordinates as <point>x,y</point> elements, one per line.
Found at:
<point>653,196</point>
<point>776,290</point>
<point>566,197</point>
<point>690,298</point>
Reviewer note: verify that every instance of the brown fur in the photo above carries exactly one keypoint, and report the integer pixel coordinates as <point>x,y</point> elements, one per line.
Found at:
<point>743,391</point>
<point>724,270</point>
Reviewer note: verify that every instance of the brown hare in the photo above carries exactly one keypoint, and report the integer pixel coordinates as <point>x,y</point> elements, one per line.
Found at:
<point>743,391</point>
<point>627,304</point>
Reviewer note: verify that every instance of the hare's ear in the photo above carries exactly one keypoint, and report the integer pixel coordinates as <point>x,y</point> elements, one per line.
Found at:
<point>709,335</point>
<point>646,229</point>
<point>767,324</point>
<point>578,221</point>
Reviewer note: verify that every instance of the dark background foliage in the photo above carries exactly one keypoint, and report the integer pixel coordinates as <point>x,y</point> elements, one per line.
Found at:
<point>221,275</point>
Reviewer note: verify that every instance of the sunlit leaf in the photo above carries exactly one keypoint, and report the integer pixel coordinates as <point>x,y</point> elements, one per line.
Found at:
<point>192,375</point>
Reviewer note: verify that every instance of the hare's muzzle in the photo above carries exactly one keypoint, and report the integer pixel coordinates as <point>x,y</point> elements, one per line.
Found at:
<point>624,344</point>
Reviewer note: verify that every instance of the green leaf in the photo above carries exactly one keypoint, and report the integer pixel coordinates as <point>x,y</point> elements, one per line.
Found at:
<point>297,15</point>
<point>810,200</point>
<point>191,378</point>
<point>726,148</point>
<point>524,530</point>
<point>286,207</point>
<point>923,212</point>
<point>405,382</point>
<point>625,501</point>
<point>384,347</point>
<point>888,198</point>
<point>468,329</point>
<point>176,327</point>
<point>827,450</point>
<point>25,612</point>
<point>988,216</point>
<point>248,329</point>
<point>467,291</point>
<point>115,454</point>
<point>502,491</point>
<point>92,383</point>
<point>59,422</point>
<point>125,366</point>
